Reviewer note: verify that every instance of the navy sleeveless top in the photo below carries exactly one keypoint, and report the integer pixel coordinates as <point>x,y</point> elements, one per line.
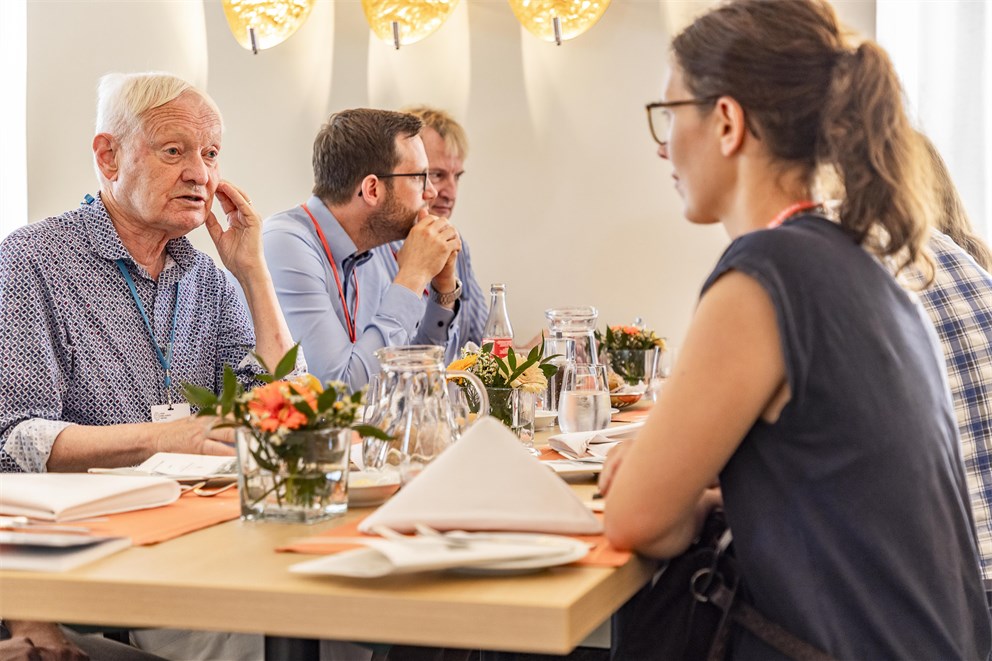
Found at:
<point>850,513</point>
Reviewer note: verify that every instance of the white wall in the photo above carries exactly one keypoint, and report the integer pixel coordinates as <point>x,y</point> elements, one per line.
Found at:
<point>564,198</point>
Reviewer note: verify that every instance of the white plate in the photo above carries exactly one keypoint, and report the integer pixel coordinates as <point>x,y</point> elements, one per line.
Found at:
<point>571,550</point>
<point>572,467</point>
<point>367,488</point>
<point>369,563</point>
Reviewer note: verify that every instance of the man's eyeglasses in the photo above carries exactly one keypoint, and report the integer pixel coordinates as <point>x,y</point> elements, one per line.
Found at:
<point>660,116</point>
<point>423,176</point>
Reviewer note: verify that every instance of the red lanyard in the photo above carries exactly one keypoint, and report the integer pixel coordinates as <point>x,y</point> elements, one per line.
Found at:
<point>790,211</point>
<point>349,320</point>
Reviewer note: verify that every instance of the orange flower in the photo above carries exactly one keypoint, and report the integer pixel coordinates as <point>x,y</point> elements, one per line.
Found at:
<point>271,409</point>
<point>628,330</point>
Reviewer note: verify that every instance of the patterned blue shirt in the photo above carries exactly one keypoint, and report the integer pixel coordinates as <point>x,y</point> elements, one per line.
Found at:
<point>387,314</point>
<point>73,346</point>
<point>959,302</point>
<point>474,302</point>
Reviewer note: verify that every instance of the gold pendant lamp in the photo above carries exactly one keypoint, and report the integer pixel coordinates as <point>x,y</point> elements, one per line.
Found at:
<point>260,24</point>
<point>403,22</point>
<point>558,20</point>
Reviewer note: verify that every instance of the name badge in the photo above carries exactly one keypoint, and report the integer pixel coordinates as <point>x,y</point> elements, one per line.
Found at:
<point>170,412</point>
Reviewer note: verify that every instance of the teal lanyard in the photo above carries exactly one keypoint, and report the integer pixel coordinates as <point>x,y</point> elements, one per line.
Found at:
<point>164,359</point>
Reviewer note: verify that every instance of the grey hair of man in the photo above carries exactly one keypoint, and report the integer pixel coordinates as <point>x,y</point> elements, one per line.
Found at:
<point>122,98</point>
<point>354,144</point>
<point>451,132</point>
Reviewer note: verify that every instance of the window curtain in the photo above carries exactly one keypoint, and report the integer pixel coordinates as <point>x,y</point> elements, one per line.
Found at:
<point>943,53</point>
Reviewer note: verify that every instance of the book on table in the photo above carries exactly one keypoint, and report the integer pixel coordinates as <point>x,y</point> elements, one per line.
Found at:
<point>73,496</point>
<point>26,550</point>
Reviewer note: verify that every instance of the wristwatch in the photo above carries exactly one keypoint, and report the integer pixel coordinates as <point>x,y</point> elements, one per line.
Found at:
<point>448,298</point>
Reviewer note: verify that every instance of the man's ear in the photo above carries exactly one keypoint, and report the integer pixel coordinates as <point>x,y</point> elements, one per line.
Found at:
<point>372,190</point>
<point>731,125</point>
<point>106,151</point>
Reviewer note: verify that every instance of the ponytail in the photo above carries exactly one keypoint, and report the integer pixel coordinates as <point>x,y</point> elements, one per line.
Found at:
<point>888,192</point>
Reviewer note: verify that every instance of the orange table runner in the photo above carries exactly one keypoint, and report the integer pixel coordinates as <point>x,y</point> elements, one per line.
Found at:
<point>600,555</point>
<point>188,514</point>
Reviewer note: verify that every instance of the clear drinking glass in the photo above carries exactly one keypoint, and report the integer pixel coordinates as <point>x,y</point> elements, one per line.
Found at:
<point>585,398</point>
<point>564,350</point>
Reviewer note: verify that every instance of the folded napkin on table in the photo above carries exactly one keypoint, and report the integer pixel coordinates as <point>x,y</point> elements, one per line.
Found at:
<point>594,443</point>
<point>69,496</point>
<point>383,556</point>
<point>486,481</point>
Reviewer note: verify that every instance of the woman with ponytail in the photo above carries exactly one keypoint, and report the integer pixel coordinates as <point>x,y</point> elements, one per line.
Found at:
<point>809,383</point>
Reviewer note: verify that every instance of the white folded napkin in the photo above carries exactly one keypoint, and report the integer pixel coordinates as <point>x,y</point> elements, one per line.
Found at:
<point>383,557</point>
<point>583,443</point>
<point>486,481</point>
<point>69,496</point>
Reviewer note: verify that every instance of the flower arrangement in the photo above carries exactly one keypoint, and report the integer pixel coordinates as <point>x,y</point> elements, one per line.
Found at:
<point>633,351</point>
<point>628,337</point>
<point>280,423</point>
<point>529,373</point>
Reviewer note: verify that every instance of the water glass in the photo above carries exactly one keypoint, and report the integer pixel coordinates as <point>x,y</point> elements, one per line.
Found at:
<point>522,413</point>
<point>585,398</point>
<point>564,350</point>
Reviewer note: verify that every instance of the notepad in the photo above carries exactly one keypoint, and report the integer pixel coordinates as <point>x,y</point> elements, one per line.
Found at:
<point>72,496</point>
<point>30,551</point>
<point>181,467</point>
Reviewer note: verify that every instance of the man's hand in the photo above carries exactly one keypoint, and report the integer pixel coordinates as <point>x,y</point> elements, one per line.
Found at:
<point>429,247</point>
<point>43,641</point>
<point>240,245</point>
<point>193,435</point>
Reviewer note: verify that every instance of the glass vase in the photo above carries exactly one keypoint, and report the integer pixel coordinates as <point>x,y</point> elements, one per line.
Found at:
<point>515,408</point>
<point>297,477</point>
<point>635,366</point>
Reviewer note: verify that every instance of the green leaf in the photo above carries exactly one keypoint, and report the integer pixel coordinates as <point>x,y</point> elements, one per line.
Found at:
<point>305,409</point>
<point>536,351</point>
<point>326,399</point>
<point>511,358</point>
<point>487,347</point>
<point>374,432</point>
<point>264,378</point>
<point>549,370</point>
<point>200,397</point>
<point>287,363</point>
<point>262,363</point>
<point>230,391</point>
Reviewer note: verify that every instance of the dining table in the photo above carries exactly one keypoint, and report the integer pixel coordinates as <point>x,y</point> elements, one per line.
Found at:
<point>229,577</point>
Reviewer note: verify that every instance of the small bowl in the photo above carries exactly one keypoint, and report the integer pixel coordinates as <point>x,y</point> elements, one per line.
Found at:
<point>368,488</point>
<point>622,400</point>
<point>544,420</point>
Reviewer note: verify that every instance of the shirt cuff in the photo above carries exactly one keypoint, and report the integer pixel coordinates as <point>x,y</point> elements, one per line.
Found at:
<point>30,443</point>
<point>438,321</point>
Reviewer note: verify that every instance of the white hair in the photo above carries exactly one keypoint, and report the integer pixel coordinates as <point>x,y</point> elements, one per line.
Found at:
<point>123,97</point>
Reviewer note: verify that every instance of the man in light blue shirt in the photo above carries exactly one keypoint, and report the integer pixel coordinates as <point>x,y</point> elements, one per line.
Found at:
<point>343,290</point>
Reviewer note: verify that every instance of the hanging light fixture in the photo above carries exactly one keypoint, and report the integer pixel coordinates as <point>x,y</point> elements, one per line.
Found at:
<point>260,24</point>
<point>402,22</point>
<point>558,20</point>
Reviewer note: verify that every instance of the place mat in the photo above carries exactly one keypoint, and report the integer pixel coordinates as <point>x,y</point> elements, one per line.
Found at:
<point>632,415</point>
<point>601,555</point>
<point>549,454</point>
<point>188,514</point>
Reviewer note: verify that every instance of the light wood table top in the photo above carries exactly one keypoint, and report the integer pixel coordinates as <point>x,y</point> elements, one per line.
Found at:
<point>229,578</point>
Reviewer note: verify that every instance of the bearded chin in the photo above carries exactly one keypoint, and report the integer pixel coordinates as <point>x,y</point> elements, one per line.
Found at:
<point>391,224</point>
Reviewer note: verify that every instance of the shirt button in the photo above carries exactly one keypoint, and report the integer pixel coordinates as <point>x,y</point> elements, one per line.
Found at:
<point>440,324</point>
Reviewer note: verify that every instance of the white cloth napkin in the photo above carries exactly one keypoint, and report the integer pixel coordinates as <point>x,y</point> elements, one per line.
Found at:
<point>383,557</point>
<point>588,443</point>
<point>487,481</point>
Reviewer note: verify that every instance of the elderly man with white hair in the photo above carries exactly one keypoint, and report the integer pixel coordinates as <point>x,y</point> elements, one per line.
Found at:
<point>107,308</point>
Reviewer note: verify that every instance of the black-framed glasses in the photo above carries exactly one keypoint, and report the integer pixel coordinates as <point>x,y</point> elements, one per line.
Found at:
<point>660,116</point>
<point>423,176</point>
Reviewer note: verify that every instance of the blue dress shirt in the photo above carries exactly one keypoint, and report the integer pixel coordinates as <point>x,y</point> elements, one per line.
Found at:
<point>388,314</point>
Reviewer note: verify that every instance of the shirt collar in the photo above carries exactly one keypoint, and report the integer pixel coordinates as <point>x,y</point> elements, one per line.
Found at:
<point>106,243</point>
<point>342,247</point>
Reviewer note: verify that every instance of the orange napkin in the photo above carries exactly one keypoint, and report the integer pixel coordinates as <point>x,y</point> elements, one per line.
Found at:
<point>601,555</point>
<point>188,514</point>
